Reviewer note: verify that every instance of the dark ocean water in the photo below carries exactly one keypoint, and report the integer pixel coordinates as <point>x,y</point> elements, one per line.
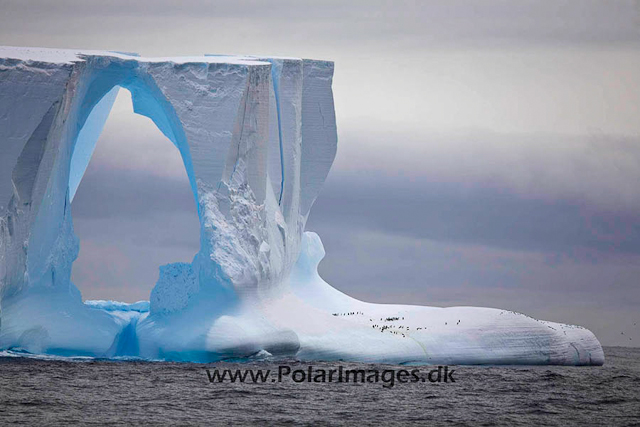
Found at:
<point>38,391</point>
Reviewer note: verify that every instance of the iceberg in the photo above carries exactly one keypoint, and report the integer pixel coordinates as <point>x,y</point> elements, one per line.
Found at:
<point>257,136</point>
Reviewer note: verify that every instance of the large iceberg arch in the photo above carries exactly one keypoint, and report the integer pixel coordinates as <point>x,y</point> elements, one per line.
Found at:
<point>257,137</point>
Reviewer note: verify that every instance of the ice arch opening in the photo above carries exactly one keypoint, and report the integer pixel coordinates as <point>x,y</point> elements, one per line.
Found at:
<point>50,264</point>
<point>133,209</point>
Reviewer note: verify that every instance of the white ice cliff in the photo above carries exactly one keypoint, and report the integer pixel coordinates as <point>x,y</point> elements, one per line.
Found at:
<point>257,137</point>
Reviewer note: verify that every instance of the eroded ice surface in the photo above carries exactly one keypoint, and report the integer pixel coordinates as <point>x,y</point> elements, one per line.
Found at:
<point>257,136</point>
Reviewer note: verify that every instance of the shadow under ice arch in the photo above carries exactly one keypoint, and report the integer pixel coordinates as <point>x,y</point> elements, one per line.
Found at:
<point>257,137</point>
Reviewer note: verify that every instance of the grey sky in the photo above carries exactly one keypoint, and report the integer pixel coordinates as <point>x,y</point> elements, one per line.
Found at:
<point>489,151</point>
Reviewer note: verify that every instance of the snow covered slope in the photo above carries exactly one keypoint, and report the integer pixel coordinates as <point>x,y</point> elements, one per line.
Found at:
<point>257,136</point>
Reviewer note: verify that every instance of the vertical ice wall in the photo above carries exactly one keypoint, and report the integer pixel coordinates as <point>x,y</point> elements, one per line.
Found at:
<point>220,112</point>
<point>32,95</point>
<point>302,145</point>
<point>245,128</point>
<point>318,130</point>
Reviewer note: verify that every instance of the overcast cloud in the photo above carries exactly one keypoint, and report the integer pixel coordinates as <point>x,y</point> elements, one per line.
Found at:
<point>489,151</point>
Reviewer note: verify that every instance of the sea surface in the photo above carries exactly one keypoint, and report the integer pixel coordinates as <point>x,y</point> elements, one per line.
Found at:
<point>57,391</point>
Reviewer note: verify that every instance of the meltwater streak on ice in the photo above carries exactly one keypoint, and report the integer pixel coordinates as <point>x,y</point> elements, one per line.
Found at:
<point>257,138</point>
